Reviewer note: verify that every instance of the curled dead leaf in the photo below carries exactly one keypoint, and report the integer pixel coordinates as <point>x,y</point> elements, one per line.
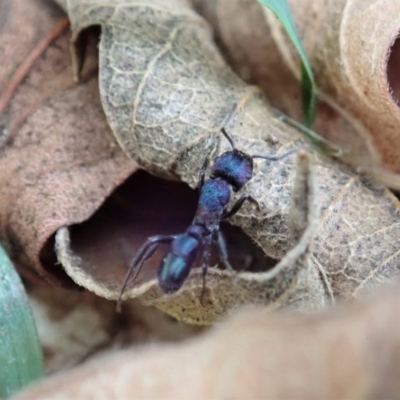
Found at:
<point>76,325</point>
<point>293,282</point>
<point>353,47</point>
<point>62,163</point>
<point>166,91</point>
<point>346,353</point>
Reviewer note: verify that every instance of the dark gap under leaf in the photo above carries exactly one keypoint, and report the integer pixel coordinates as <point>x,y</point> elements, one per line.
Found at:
<point>393,67</point>
<point>141,207</point>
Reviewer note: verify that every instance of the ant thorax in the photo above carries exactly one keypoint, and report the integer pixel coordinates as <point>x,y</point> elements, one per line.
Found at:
<point>196,231</point>
<point>214,197</point>
<point>235,167</point>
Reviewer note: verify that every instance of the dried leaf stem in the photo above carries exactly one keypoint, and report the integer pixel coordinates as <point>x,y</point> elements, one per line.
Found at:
<point>24,68</point>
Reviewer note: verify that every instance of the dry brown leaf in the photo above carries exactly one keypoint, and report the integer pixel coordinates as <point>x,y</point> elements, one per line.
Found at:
<point>354,52</point>
<point>76,325</point>
<point>63,162</point>
<point>20,30</point>
<point>347,353</point>
<point>293,282</point>
<point>355,248</point>
<point>166,92</point>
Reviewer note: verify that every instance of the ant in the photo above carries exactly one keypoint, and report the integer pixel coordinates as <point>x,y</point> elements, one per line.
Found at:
<point>231,170</point>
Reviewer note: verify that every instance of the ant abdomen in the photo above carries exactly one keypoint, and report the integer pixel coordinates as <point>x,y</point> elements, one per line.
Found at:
<point>176,265</point>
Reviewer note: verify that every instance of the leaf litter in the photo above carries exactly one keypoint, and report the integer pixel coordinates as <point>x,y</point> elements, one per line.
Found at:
<point>357,79</point>
<point>166,91</point>
<point>349,352</point>
<point>62,163</point>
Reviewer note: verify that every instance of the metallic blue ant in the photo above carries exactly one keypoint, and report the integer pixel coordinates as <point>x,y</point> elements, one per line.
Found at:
<point>231,170</point>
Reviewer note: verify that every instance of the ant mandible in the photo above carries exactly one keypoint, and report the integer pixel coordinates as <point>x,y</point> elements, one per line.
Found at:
<point>231,170</point>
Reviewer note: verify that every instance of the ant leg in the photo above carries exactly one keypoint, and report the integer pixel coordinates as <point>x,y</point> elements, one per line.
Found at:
<point>150,251</point>
<point>223,252</point>
<point>236,207</point>
<point>145,252</point>
<point>200,183</point>
<point>206,260</point>
<point>223,255</point>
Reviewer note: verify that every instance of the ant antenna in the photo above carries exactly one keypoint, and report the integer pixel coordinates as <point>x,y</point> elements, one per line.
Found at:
<point>230,140</point>
<point>128,280</point>
<point>277,158</point>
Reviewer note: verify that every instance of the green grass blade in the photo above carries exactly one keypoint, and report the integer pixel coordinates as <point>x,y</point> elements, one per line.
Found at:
<point>20,354</point>
<point>282,11</point>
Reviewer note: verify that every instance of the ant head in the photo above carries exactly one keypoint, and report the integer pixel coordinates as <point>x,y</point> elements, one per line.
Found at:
<point>235,167</point>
